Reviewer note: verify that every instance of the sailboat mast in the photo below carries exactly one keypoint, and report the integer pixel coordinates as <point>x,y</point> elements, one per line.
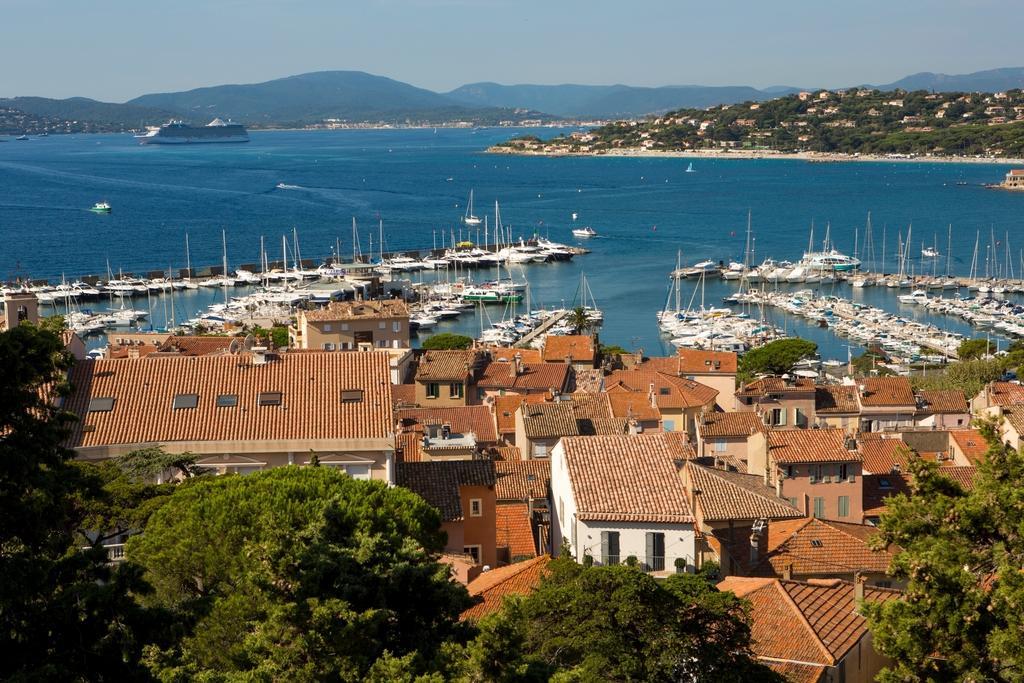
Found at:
<point>949,247</point>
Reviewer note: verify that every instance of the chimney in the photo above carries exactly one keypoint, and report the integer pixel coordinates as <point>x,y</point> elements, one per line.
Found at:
<point>259,355</point>
<point>652,396</point>
<point>518,360</point>
<point>634,426</point>
<point>787,572</point>
<point>858,588</point>
<point>756,534</point>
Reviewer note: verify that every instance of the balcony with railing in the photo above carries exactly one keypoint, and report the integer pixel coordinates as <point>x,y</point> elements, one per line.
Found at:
<point>115,552</point>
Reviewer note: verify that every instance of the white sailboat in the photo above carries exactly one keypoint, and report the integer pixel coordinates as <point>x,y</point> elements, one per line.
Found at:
<point>689,169</point>
<point>469,219</point>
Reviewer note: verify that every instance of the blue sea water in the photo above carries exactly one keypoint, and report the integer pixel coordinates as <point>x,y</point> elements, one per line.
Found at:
<point>417,182</point>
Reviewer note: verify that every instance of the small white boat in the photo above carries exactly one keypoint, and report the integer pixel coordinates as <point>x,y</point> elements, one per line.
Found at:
<point>918,296</point>
<point>689,169</point>
<point>930,252</point>
<point>470,219</point>
<point>584,232</point>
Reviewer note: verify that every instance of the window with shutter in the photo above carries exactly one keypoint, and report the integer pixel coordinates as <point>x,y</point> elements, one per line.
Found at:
<point>609,547</point>
<point>655,551</point>
<point>844,506</point>
<point>819,507</point>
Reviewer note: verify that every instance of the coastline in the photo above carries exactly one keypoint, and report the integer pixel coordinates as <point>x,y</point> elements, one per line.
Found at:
<point>811,157</point>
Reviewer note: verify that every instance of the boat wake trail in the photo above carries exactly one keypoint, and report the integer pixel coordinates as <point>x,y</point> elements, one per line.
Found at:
<point>286,186</point>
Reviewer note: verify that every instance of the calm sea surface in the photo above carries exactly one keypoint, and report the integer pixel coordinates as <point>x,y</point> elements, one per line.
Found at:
<point>417,181</point>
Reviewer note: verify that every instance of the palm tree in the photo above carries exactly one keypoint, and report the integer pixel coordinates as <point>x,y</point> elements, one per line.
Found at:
<point>579,320</point>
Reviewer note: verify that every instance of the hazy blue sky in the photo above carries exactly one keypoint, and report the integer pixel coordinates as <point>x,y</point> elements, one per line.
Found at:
<point>118,49</point>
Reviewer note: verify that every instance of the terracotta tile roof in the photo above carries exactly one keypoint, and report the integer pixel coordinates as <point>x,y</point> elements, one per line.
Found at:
<point>508,453</point>
<point>1014,417</point>
<point>794,672</point>
<point>534,377</point>
<point>589,379</point>
<point>558,347</point>
<point>816,622</point>
<point>491,587</point>
<point>625,478</point>
<point>679,446</point>
<point>776,385</point>
<point>356,310</point>
<point>507,355</point>
<point>604,426</point>
<point>809,445</point>
<point>1005,393</point>
<point>403,395</point>
<point>438,482</point>
<point>886,391</point>
<point>715,424</point>
<point>463,419</point>
<point>514,530</point>
<point>694,362</point>
<point>197,345</point>
<point>408,447</point>
<point>669,391</point>
<point>878,487</point>
<point>836,399</point>
<point>950,401</point>
<point>447,366</point>
<point>311,406</point>
<point>522,479</point>
<point>590,406</point>
<point>505,409</point>
<point>633,404</point>
<point>971,443</point>
<point>547,420</point>
<point>882,455</point>
<point>815,546</point>
<point>728,496</point>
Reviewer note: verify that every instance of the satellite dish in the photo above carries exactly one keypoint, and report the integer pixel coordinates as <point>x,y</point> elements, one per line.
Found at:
<point>235,346</point>
<point>249,342</point>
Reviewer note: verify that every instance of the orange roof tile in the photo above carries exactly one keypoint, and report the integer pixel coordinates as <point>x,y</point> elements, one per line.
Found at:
<point>878,487</point>
<point>669,391</point>
<point>548,420</point>
<point>310,408</point>
<point>534,377</point>
<point>815,546</point>
<point>501,354</point>
<point>632,404</point>
<point>776,385</point>
<point>886,391</point>
<point>514,530</point>
<point>403,395</point>
<point>725,495</point>
<point>679,446</point>
<point>882,455</point>
<point>950,402</point>
<point>197,345</point>
<point>357,310</point>
<point>505,409</point>
<point>816,622</point>
<point>558,348</point>
<point>408,447</point>
<point>971,443</point>
<point>1005,393</point>
<point>809,445</point>
<point>625,478</point>
<point>508,453</point>
<point>794,672</point>
<point>447,366</point>
<point>715,424</point>
<point>463,419</point>
<point>522,479</point>
<point>836,399</point>
<point>491,587</point>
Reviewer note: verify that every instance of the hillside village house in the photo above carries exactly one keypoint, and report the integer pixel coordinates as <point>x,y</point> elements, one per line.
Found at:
<point>500,378</point>
<point>715,369</point>
<point>578,350</point>
<point>618,497</point>
<point>886,403</point>
<point>996,394</point>
<point>726,507</point>
<point>352,325</point>
<point>783,402</point>
<point>946,409</point>
<point>444,433</point>
<point>463,491</point>
<point>729,437</point>
<point>817,470</point>
<point>240,413</point>
<point>679,400</point>
<point>812,631</point>
<point>448,378</point>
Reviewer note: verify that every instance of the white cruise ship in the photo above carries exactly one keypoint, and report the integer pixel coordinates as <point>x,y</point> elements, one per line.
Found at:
<point>181,133</point>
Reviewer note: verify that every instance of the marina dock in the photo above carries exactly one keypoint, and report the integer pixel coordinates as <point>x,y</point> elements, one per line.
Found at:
<point>543,329</point>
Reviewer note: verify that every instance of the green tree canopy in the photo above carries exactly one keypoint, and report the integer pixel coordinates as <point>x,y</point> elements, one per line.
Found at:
<point>298,573</point>
<point>776,358</point>
<point>962,555</point>
<point>972,349</point>
<point>616,624</point>
<point>447,340</point>
<point>579,320</point>
<point>64,614</point>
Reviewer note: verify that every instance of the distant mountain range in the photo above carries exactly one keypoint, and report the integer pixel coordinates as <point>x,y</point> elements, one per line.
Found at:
<point>359,97</point>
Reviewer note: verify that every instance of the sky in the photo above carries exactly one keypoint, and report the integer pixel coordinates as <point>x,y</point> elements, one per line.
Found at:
<point>115,50</point>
